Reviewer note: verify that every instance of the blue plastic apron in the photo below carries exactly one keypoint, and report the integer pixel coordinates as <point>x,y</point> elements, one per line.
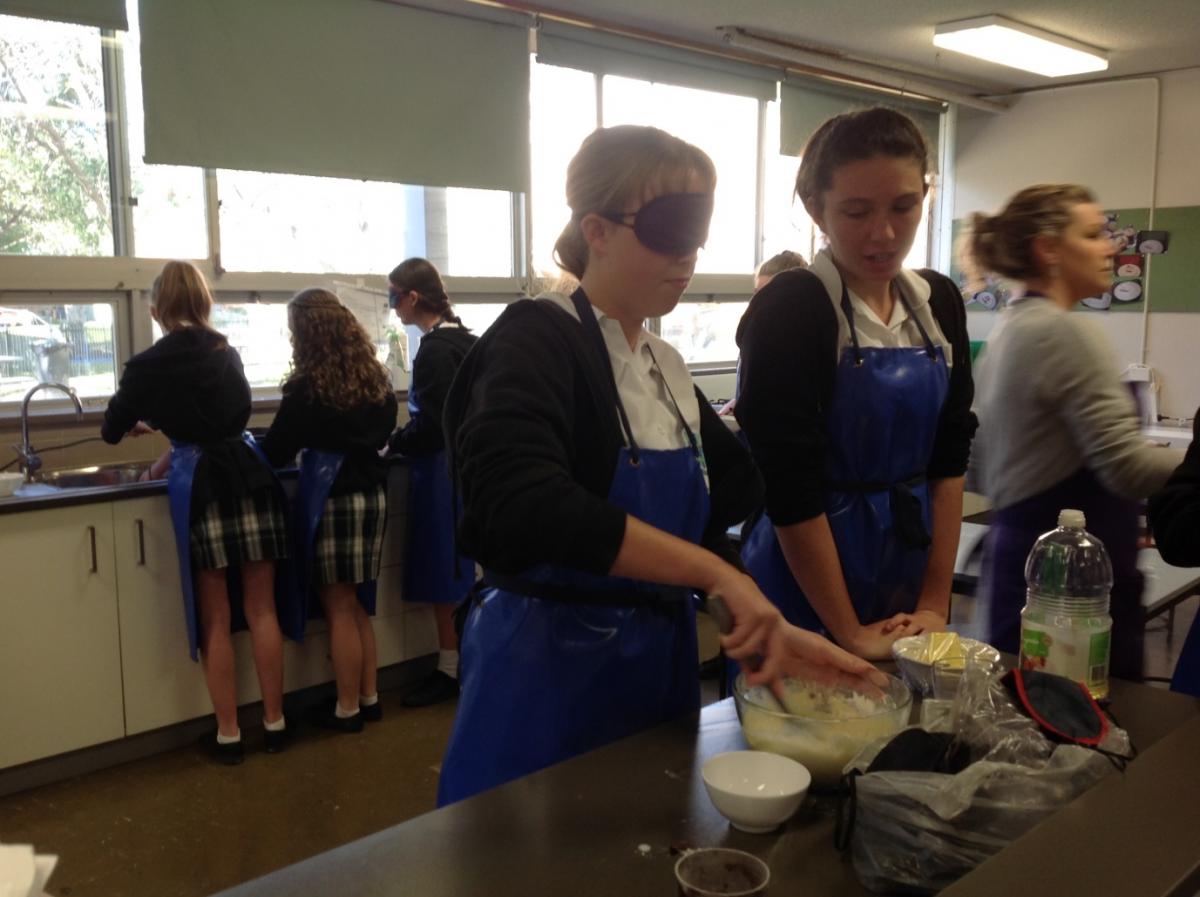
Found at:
<point>880,427</point>
<point>318,470</point>
<point>433,571</point>
<point>543,679</point>
<point>184,459</point>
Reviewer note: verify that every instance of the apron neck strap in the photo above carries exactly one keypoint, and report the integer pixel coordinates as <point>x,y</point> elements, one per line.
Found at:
<point>848,311</point>
<point>587,318</point>
<point>692,441</point>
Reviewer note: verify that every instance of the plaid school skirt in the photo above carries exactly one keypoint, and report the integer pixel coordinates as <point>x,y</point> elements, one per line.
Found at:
<point>240,530</point>
<point>349,543</point>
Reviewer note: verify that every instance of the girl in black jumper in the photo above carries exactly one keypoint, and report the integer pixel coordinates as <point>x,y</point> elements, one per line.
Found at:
<point>432,571</point>
<point>225,502</point>
<point>338,406</point>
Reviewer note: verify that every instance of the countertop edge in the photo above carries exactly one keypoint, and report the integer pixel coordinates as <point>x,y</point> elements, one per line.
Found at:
<point>67,498</point>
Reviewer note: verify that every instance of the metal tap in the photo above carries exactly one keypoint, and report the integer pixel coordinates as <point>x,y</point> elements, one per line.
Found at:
<point>29,458</point>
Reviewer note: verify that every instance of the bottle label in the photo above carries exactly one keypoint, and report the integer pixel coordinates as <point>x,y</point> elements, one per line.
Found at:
<point>1081,655</point>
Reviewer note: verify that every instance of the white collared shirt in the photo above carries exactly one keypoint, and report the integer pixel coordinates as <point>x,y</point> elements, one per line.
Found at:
<point>640,382</point>
<point>898,333</point>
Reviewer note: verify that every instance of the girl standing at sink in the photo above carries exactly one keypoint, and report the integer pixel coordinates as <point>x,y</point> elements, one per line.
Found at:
<point>339,407</point>
<point>226,504</point>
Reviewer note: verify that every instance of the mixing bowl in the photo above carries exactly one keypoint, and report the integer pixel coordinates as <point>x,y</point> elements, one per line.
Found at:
<point>824,726</point>
<point>756,791</point>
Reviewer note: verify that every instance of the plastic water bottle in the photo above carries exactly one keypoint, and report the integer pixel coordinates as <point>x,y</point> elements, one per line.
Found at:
<point>1065,626</point>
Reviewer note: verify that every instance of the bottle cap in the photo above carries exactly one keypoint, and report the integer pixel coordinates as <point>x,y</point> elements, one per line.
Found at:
<point>1071,519</point>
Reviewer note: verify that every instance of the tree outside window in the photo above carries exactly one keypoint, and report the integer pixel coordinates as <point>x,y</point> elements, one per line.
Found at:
<point>54,182</point>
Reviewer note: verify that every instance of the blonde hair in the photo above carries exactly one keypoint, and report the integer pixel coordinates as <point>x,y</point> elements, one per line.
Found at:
<point>332,353</point>
<point>780,262</point>
<point>1003,244</point>
<point>181,297</point>
<point>617,165</point>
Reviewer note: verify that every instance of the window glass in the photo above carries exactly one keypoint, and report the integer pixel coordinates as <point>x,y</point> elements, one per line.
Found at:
<point>296,223</point>
<point>54,185</point>
<point>479,316</point>
<point>73,344</point>
<point>259,332</point>
<point>562,113</point>
<point>725,127</point>
<point>786,224</point>
<point>704,332</point>
<point>167,200</point>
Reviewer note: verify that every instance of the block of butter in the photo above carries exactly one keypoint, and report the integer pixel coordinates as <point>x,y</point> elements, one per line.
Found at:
<point>945,646</point>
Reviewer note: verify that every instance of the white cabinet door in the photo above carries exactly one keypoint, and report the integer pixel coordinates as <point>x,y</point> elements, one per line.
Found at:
<point>162,684</point>
<point>60,646</point>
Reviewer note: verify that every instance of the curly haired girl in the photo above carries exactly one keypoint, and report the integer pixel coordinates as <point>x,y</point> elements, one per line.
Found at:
<point>338,406</point>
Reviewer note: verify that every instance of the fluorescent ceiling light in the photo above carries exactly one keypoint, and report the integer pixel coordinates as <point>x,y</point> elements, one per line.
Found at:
<point>1003,41</point>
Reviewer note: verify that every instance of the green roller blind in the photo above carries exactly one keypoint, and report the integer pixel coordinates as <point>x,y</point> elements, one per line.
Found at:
<point>804,106</point>
<point>610,54</point>
<point>353,89</point>
<point>97,13</point>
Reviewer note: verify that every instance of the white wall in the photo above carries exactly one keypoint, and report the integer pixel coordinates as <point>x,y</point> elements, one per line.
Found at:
<point>1103,136</point>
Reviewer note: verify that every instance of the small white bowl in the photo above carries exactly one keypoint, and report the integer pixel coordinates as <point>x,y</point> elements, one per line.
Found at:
<point>755,790</point>
<point>9,483</point>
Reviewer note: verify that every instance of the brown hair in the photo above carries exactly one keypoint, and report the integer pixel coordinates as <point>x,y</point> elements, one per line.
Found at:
<point>181,297</point>
<point>616,165</point>
<point>420,276</point>
<point>851,137</point>
<point>1003,244</point>
<point>333,353</point>
<point>780,262</point>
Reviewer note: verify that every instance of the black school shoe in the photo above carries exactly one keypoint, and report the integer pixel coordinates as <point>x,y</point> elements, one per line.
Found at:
<point>225,754</point>
<point>371,713</point>
<point>433,689</point>
<point>326,718</point>
<point>276,742</point>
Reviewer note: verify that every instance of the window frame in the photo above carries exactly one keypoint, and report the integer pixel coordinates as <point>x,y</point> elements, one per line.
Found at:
<point>127,278</point>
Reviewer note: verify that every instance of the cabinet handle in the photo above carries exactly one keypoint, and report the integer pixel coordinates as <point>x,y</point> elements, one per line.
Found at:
<point>92,539</point>
<point>141,537</point>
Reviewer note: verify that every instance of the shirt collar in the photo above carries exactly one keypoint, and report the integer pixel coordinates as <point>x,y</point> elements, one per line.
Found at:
<point>915,287</point>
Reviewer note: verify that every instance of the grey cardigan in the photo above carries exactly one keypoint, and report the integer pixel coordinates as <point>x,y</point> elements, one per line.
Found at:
<point>1050,402</point>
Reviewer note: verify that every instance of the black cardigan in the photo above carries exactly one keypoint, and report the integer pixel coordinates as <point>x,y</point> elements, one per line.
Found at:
<point>789,343</point>
<point>190,385</point>
<point>358,433</point>
<point>441,352</point>
<point>1175,510</point>
<point>534,440</point>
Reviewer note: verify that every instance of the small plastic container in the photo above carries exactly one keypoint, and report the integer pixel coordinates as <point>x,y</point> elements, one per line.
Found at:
<point>721,872</point>
<point>1065,625</point>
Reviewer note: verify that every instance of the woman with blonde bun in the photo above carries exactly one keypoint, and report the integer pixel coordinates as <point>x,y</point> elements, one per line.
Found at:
<point>1058,429</point>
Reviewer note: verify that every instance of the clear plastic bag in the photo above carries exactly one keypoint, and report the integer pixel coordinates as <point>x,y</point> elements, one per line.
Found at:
<point>917,832</point>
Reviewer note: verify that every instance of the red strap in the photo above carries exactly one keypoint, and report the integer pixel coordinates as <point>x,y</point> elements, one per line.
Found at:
<point>1093,741</point>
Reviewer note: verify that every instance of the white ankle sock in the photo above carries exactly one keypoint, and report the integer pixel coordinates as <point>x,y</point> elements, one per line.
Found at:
<point>278,726</point>
<point>344,714</point>
<point>368,700</point>
<point>448,663</point>
<point>229,739</point>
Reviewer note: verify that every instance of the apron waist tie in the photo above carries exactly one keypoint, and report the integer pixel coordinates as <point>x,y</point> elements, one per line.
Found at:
<point>906,508</point>
<point>669,598</point>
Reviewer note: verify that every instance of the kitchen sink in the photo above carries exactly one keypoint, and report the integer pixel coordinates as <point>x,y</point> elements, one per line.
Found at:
<point>93,477</point>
